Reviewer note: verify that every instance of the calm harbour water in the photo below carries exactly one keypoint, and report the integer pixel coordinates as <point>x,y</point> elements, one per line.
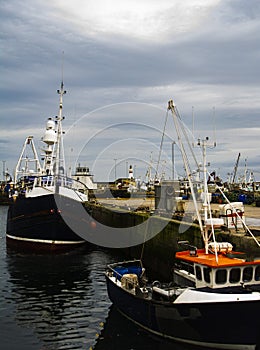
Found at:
<point>59,301</point>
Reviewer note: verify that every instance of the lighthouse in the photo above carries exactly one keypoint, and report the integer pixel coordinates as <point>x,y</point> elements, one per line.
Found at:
<point>130,172</point>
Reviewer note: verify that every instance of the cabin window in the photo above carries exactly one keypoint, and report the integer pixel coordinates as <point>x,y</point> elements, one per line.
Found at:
<point>188,267</point>
<point>198,273</point>
<point>234,276</point>
<point>221,276</point>
<point>257,273</point>
<point>206,273</point>
<point>248,274</point>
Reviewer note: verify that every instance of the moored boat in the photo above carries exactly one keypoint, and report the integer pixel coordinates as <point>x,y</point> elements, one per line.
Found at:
<point>44,200</point>
<point>213,300</point>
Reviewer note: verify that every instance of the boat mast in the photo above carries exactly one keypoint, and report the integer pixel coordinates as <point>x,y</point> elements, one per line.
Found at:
<point>203,144</point>
<point>59,154</point>
<point>172,108</point>
<point>204,227</point>
<point>22,167</point>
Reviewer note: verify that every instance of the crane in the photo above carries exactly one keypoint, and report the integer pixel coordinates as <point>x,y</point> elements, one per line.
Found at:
<point>235,169</point>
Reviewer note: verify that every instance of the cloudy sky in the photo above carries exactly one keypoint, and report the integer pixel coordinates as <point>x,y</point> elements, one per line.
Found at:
<point>122,62</point>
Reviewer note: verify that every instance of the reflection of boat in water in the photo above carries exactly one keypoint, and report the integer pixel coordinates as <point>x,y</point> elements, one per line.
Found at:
<point>214,298</point>
<point>118,333</point>
<point>45,200</point>
<point>54,297</point>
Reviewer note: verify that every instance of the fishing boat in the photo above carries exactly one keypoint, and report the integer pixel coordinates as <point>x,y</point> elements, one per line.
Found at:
<point>213,300</point>
<point>45,203</point>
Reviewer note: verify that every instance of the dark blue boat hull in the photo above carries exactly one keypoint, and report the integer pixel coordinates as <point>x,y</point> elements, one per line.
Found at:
<point>39,220</point>
<point>205,324</point>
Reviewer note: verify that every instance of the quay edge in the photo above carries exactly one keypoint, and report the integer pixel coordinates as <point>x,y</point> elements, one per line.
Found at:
<point>161,248</point>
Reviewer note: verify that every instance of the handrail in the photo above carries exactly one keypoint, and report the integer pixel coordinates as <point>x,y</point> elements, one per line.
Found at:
<point>240,217</point>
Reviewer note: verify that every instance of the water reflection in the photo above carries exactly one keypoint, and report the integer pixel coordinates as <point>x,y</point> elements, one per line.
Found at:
<point>60,301</point>
<point>118,333</point>
<point>62,297</point>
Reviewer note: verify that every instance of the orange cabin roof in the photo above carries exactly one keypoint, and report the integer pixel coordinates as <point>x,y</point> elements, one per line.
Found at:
<point>209,260</point>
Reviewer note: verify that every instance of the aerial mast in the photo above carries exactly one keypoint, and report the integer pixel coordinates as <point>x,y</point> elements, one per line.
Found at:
<point>59,168</point>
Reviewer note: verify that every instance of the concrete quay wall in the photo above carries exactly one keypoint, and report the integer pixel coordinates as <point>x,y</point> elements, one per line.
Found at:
<point>159,251</point>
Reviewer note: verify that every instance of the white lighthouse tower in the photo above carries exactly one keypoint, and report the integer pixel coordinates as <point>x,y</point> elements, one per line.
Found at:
<point>130,172</point>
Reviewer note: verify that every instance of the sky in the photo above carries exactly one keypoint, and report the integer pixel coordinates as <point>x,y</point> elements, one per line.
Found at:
<point>121,61</point>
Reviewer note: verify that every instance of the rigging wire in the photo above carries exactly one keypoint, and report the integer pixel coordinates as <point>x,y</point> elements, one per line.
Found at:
<point>145,235</point>
<point>160,151</point>
<point>184,132</point>
<point>177,122</point>
<point>240,218</point>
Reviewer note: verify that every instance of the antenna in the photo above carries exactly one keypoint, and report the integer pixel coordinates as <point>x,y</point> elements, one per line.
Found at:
<point>192,108</point>
<point>61,91</point>
<point>59,151</point>
<point>214,129</point>
<point>62,66</point>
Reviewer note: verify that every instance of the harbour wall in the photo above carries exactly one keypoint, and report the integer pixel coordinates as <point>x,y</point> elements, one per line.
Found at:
<point>159,251</point>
